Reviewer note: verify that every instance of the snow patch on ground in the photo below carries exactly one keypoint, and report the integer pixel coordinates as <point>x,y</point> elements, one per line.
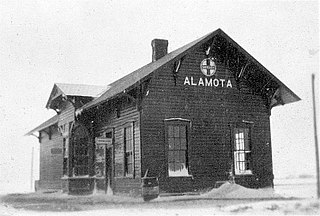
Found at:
<point>229,199</point>
<point>235,191</point>
<point>284,207</point>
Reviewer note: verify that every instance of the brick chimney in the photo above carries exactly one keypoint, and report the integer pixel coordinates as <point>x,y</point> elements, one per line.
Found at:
<point>159,48</point>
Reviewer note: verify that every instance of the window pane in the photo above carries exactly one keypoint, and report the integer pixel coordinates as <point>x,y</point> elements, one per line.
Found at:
<point>242,166</point>
<point>170,131</point>
<point>129,145</point>
<point>171,143</point>
<point>176,143</point>
<point>128,133</point>
<point>241,136</point>
<point>171,166</point>
<point>176,131</point>
<point>171,156</point>
<point>241,157</point>
<point>130,169</point>
<point>82,161</point>
<point>183,143</point>
<point>183,132</point>
<point>128,158</point>
<point>176,156</point>
<point>180,166</point>
<point>81,170</point>
<point>182,157</point>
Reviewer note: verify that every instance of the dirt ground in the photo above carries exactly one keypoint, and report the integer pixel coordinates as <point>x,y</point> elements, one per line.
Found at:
<point>228,199</point>
<point>62,202</point>
<point>100,204</point>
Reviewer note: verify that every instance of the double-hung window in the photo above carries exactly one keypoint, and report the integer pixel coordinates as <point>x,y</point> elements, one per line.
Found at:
<point>177,142</point>
<point>128,150</point>
<point>242,151</point>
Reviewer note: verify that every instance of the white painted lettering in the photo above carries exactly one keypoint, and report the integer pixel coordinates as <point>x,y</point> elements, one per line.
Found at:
<point>201,82</point>
<point>229,84</point>
<point>216,82</point>
<point>208,82</point>
<point>192,83</point>
<point>186,81</point>
<point>222,81</point>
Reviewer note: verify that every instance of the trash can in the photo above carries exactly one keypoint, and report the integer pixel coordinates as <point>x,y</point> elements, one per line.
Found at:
<point>150,188</point>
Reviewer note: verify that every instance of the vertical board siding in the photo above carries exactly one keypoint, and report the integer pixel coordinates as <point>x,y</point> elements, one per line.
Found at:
<point>212,111</point>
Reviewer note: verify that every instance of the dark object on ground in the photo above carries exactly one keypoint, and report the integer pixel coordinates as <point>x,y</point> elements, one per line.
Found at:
<point>150,188</point>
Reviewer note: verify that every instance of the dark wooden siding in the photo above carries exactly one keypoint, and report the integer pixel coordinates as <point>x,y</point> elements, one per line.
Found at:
<point>212,111</point>
<point>51,151</point>
<point>50,160</point>
<point>108,119</point>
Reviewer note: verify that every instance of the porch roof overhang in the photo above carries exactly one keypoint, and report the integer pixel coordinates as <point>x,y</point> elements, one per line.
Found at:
<point>52,121</point>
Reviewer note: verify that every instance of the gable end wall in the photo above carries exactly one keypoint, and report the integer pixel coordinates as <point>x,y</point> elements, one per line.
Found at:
<point>211,110</point>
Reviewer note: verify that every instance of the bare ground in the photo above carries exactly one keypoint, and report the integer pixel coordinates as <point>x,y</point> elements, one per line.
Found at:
<point>63,202</point>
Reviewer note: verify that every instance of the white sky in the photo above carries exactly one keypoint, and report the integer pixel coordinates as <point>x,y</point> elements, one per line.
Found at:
<point>97,42</point>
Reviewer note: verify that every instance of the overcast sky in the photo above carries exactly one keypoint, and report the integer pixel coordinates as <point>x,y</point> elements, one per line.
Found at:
<point>97,42</point>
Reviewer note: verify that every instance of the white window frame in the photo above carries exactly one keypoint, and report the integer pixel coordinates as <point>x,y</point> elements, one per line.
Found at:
<point>177,122</point>
<point>242,151</point>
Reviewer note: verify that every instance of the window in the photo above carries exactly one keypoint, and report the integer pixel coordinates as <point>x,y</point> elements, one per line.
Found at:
<point>177,141</point>
<point>128,150</point>
<point>242,151</point>
<point>80,142</point>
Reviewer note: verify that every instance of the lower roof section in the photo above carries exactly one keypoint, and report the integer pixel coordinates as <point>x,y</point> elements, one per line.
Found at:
<point>52,121</point>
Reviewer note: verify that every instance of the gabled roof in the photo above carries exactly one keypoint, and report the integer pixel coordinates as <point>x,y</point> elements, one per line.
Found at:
<point>137,76</point>
<point>75,90</point>
<point>80,89</point>
<point>52,121</point>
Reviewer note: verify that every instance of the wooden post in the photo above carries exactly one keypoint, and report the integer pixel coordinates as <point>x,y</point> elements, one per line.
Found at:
<point>315,135</point>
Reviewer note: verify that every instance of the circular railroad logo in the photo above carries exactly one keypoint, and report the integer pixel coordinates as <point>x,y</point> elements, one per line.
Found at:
<point>208,67</point>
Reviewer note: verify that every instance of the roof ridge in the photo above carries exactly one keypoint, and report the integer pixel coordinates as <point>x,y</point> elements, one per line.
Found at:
<point>80,84</point>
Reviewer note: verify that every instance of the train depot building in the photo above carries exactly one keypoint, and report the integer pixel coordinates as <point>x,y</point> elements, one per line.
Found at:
<point>191,118</point>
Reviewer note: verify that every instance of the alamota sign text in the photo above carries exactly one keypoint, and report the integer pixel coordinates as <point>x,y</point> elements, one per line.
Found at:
<point>208,68</point>
<point>207,82</point>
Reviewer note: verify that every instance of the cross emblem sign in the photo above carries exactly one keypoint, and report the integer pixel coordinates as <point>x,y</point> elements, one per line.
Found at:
<point>208,67</point>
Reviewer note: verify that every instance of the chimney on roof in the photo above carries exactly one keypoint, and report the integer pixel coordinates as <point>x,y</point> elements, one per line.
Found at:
<point>159,48</point>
